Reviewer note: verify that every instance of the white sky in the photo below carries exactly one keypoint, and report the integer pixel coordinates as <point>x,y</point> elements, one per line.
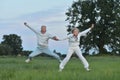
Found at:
<point>13,13</point>
<point>14,8</point>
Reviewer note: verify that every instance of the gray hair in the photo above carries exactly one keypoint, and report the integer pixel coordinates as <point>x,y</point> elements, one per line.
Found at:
<point>74,29</point>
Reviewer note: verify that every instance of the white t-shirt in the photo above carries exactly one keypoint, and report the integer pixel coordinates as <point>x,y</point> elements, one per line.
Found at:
<point>75,41</point>
<point>42,39</point>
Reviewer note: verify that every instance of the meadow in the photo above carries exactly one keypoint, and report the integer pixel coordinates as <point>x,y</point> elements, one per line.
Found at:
<point>46,68</point>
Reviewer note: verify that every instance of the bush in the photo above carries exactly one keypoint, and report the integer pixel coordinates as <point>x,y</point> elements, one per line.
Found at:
<point>5,49</point>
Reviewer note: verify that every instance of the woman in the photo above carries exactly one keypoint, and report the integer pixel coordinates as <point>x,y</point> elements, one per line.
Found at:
<point>74,40</point>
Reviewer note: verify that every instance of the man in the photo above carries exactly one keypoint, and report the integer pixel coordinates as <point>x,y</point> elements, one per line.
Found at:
<point>42,43</point>
<point>74,40</point>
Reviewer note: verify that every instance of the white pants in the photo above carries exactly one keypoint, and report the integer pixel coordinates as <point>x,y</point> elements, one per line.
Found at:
<point>72,50</point>
<point>40,50</point>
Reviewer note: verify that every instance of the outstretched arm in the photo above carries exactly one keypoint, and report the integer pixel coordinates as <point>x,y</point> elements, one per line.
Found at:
<point>92,26</point>
<point>30,27</point>
<point>83,33</point>
<point>63,39</point>
<point>55,38</point>
<point>66,38</point>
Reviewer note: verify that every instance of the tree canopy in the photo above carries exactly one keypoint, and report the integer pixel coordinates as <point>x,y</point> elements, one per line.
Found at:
<point>13,42</point>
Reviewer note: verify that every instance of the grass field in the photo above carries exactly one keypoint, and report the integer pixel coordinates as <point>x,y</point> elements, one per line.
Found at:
<point>44,68</point>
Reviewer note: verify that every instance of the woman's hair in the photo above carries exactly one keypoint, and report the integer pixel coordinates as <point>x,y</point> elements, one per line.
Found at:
<point>74,29</point>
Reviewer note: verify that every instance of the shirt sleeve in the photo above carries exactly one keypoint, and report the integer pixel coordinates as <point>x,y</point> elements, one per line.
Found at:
<point>50,36</point>
<point>83,33</point>
<point>32,29</point>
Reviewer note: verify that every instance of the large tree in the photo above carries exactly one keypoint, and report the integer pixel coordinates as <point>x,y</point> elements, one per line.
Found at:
<point>105,37</point>
<point>13,41</point>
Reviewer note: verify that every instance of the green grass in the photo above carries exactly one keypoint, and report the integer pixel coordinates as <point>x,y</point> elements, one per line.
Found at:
<point>44,68</point>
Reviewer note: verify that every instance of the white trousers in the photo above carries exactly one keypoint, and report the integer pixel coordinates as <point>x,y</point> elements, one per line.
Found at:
<point>72,50</point>
<point>40,50</point>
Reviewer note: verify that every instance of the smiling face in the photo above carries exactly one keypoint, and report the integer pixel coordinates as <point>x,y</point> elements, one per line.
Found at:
<point>43,29</point>
<point>75,31</point>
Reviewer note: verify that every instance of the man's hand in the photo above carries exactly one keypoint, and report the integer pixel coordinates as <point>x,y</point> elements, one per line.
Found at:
<point>55,38</point>
<point>25,24</point>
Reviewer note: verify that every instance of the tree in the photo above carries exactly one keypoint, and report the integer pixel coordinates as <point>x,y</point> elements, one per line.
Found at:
<point>26,52</point>
<point>5,50</point>
<point>13,41</point>
<point>105,37</point>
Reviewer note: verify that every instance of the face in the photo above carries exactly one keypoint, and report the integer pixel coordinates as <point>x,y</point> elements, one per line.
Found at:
<point>43,29</point>
<point>75,32</point>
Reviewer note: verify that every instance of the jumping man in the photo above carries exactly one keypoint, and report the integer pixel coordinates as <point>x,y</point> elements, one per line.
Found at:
<point>42,43</point>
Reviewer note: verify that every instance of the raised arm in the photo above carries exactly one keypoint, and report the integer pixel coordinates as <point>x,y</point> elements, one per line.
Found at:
<point>83,33</point>
<point>30,27</point>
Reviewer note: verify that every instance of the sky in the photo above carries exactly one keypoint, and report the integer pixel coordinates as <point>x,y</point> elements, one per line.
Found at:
<point>13,13</point>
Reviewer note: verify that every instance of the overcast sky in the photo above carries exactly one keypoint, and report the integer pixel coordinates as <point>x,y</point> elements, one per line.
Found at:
<point>13,13</point>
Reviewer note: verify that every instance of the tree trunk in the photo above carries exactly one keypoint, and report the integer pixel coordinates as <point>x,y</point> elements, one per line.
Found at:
<point>102,50</point>
<point>100,45</point>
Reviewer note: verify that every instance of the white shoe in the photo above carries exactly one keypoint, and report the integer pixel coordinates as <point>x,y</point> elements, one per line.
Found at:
<point>60,70</point>
<point>27,60</point>
<point>87,69</point>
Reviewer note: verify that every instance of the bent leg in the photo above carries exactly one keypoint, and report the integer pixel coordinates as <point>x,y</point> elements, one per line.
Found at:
<point>48,52</point>
<point>35,53</point>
